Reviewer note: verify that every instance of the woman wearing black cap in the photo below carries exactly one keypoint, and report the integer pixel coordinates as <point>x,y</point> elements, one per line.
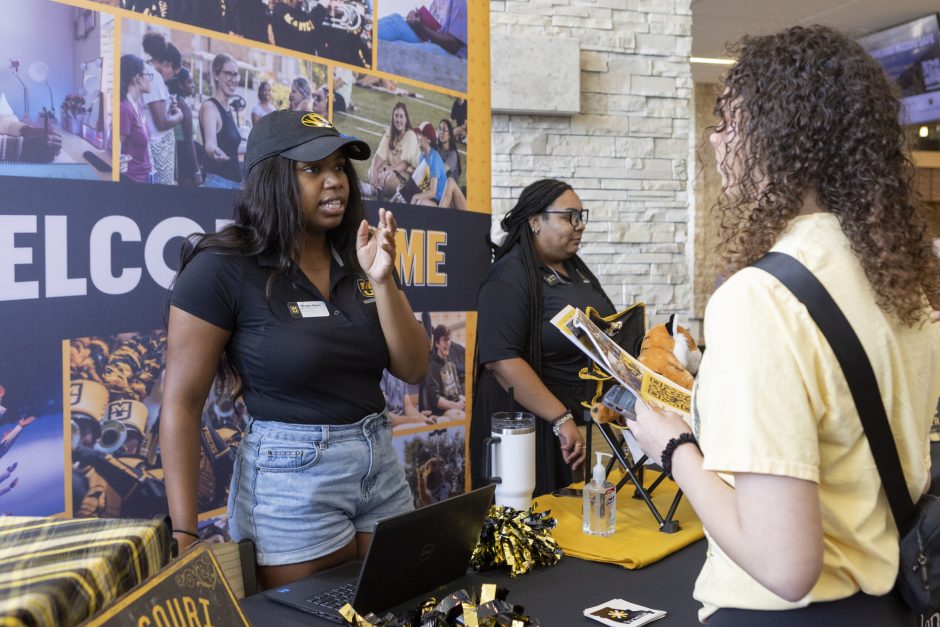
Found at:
<point>300,295</point>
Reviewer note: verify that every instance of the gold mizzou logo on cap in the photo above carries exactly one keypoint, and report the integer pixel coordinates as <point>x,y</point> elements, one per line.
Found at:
<point>315,120</point>
<point>366,288</point>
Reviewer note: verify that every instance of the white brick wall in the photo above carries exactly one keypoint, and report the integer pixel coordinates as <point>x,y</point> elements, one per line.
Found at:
<point>626,153</point>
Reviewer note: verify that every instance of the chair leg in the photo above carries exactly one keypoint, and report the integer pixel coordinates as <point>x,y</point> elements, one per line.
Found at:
<point>634,474</point>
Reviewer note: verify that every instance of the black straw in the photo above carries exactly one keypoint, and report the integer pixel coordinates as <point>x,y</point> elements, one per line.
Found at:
<point>512,404</point>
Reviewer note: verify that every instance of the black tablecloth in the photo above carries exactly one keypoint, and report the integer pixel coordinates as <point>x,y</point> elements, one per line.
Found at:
<point>557,596</point>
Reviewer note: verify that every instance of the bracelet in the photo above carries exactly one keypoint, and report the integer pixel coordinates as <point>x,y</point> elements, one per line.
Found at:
<point>671,446</point>
<point>559,421</point>
<point>186,533</point>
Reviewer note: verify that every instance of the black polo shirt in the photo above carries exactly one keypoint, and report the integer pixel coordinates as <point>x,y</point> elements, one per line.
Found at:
<point>503,322</point>
<point>302,359</point>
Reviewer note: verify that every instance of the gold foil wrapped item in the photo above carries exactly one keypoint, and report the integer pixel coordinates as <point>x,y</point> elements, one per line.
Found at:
<point>459,609</point>
<point>516,540</point>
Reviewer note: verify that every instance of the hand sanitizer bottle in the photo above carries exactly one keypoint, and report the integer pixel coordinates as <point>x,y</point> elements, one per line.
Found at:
<point>599,501</point>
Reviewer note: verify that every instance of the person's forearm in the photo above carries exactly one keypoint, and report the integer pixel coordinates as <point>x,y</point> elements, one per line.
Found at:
<point>209,144</point>
<point>413,415</point>
<point>179,449</point>
<point>406,339</point>
<point>398,419</point>
<point>208,118</point>
<point>445,40</point>
<point>193,159</point>
<point>528,389</point>
<point>431,194</point>
<point>787,566</point>
<point>443,404</point>
<point>11,435</point>
<point>160,118</point>
<point>374,169</point>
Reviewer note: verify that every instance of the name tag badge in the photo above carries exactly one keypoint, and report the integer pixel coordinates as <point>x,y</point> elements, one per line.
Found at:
<point>308,309</point>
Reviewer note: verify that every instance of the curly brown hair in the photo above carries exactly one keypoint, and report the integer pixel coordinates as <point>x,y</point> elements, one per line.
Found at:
<point>805,111</point>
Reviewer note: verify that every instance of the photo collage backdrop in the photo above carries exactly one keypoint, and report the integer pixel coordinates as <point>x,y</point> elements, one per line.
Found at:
<point>93,212</point>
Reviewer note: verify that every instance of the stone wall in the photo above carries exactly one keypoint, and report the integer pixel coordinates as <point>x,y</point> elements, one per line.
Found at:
<point>626,153</point>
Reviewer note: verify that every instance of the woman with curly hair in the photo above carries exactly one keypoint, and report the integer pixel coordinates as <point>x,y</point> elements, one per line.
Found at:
<point>812,161</point>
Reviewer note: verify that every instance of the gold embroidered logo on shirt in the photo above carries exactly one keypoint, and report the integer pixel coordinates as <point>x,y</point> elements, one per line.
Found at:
<point>365,287</point>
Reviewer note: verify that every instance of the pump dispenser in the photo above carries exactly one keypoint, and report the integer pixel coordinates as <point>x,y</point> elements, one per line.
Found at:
<point>599,501</point>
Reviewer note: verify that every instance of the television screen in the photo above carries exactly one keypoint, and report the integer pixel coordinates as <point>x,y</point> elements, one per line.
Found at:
<point>910,54</point>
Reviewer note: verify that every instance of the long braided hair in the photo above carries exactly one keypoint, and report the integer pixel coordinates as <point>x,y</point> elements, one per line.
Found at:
<point>534,199</point>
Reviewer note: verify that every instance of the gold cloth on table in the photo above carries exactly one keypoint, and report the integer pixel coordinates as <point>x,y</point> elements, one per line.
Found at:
<point>637,541</point>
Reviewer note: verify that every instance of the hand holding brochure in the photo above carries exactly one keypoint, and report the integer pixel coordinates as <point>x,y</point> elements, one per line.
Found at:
<point>648,386</point>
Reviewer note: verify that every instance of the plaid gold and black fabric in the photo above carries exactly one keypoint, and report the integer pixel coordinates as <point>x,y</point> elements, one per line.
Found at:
<point>61,572</point>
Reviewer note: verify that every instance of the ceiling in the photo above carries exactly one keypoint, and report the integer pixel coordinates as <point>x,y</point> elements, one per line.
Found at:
<point>718,22</point>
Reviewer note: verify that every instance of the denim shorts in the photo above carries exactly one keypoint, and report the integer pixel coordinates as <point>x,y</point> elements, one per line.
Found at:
<point>302,492</point>
<point>220,182</point>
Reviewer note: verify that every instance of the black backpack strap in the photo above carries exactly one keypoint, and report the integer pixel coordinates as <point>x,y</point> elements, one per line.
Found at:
<point>858,374</point>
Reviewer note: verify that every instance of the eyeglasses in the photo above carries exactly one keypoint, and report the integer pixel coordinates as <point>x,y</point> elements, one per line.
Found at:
<point>147,75</point>
<point>229,75</point>
<point>575,216</point>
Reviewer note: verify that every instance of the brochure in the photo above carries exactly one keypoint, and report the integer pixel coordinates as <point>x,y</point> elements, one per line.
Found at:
<point>648,386</point>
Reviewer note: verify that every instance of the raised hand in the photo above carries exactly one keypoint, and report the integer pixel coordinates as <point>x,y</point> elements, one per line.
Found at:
<point>375,247</point>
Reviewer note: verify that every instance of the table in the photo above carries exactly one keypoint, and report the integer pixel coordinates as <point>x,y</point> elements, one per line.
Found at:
<point>69,164</point>
<point>75,147</point>
<point>557,596</point>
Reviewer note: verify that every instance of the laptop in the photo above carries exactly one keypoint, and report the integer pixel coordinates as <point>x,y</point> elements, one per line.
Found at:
<point>410,555</point>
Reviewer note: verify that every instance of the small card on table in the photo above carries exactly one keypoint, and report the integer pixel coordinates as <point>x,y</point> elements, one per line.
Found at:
<point>617,612</point>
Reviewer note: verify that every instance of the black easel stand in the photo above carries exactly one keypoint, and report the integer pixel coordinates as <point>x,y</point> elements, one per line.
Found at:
<point>633,472</point>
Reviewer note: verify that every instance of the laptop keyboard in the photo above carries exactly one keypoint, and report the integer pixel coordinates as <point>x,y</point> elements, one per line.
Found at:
<point>336,597</point>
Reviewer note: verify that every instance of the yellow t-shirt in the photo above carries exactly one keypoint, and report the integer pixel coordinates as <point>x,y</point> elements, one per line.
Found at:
<point>407,150</point>
<point>770,398</point>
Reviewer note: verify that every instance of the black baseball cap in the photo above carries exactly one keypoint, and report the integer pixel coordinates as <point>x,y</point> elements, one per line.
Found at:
<point>301,136</point>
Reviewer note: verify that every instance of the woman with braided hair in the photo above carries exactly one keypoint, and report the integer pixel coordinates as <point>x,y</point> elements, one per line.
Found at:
<point>536,273</point>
